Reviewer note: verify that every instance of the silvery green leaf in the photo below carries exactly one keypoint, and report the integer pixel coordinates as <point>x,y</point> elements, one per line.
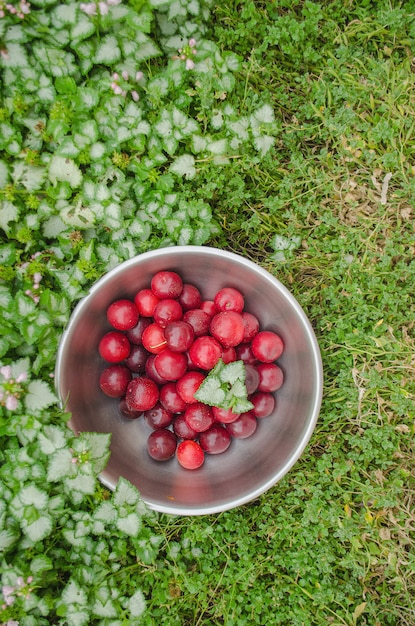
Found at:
<point>16,56</point>
<point>130,524</point>
<point>74,594</point>
<point>233,63</point>
<point>33,495</point>
<point>77,617</point>
<point>279,242</point>
<point>39,396</point>
<point>210,391</point>
<point>65,14</point>
<point>78,216</point>
<point>39,529</point>
<point>52,438</point>
<point>263,115</point>
<point>89,130</point>
<point>146,48</point>
<point>123,134</point>
<point>199,143</point>
<point>97,150</point>
<point>107,51</point>
<point>53,227</point>
<point>68,148</point>
<point>263,143</point>
<point>113,217</point>
<point>104,608</point>
<point>64,170</point>
<point>238,389</point>
<point>81,483</point>
<point>242,405</point>
<point>22,366</point>
<point>97,445</point>
<point>217,119</point>
<point>125,493</point>
<point>81,140</point>
<point>185,235</point>
<point>164,127</point>
<point>8,213</point>
<point>240,128</point>
<point>233,371</point>
<point>137,604</point>
<point>40,563</point>
<point>4,174</point>
<point>218,147</point>
<point>89,97</point>
<point>46,94</point>
<point>6,297</point>
<point>7,539</point>
<point>184,166</point>
<point>83,28</point>
<point>170,144</point>
<point>106,512</point>
<point>59,465</point>
<point>71,537</point>
<point>24,305</point>
<point>186,124</point>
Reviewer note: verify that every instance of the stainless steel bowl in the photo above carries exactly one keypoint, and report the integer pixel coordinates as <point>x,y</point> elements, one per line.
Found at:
<point>250,466</point>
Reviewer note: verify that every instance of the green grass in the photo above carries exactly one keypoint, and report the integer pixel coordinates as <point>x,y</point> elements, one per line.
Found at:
<point>333,542</point>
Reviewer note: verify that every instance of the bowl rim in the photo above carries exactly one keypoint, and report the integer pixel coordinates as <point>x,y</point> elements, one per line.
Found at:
<point>253,494</point>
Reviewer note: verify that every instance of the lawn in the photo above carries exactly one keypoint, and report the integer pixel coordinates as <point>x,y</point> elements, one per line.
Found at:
<point>281,130</point>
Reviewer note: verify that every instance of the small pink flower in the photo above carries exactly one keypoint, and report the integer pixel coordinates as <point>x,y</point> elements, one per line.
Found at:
<point>125,74</point>
<point>135,95</point>
<point>139,76</point>
<point>88,8</point>
<point>190,65</point>
<point>192,42</point>
<point>21,377</point>
<point>11,403</point>
<point>103,8</point>
<point>8,592</point>
<point>37,277</point>
<point>117,90</point>
<point>6,371</point>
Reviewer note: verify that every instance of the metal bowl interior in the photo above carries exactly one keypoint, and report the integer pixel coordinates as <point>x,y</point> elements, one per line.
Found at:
<point>250,466</point>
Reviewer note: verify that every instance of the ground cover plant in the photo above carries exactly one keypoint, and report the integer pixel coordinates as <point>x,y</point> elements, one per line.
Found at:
<point>281,130</point>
